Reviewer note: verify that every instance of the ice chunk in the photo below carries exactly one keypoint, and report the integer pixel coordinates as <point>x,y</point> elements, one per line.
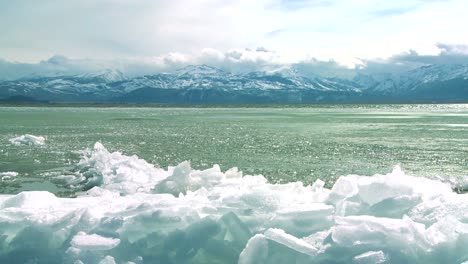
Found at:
<point>36,199</point>
<point>117,172</point>
<point>107,260</point>
<point>182,245</point>
<point>185,179</point>
<point>276,246</point>
<point>395,207</point>
<point>304,219</point>
<point>317,239</point>
<point>445,230</point>
<point>9,173</point>
<point>233,173</point>
<point>461,185</point>
<point>343,188</point>
<point>129,174</point>
<point>176,183</point>
<point>363,232</point>
<point>290,241</point>
<point>449,239</point>
<point>458,184</point>
<point>93,242</point>
<point>375,190</point>
<point>395,193</point>
<point>431,211</point>
<point>28,140</point>
<point>4,176</point>
<point>236,230</point>
<point>256,251</point>
<point>371,257</point>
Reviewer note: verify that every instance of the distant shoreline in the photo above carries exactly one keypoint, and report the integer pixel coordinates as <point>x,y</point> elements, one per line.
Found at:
<point>259,105</point>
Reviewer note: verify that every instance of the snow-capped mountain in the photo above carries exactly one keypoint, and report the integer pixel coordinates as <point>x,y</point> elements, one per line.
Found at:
<point>205,84</point>
<point>432,83</point>
<point>419,78</point>
<point>84,87</point>
<point>204,79</point>
<point>197,71</point>
<point>105,76</point>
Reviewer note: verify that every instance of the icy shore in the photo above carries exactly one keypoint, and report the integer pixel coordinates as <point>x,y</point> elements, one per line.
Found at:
<point>134,212</point>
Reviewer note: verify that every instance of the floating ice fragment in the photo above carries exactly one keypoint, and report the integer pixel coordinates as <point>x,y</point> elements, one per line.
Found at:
<point>4,176</point>
<point>9,174</point>
<point>371,257</point>
<point>28,140</point>
<point>93,242</point>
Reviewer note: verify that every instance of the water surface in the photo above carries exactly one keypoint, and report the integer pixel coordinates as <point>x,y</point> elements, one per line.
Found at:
<point>284,144</point>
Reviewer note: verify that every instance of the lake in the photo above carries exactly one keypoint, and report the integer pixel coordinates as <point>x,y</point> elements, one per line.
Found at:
<point>284,144</point>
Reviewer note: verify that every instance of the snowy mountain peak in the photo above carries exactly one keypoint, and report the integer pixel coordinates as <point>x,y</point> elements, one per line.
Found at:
<point>205,84</point>
<point>283,71</point>
<point>439,72</point>
<point>106,76</point>
<point>198,70</point>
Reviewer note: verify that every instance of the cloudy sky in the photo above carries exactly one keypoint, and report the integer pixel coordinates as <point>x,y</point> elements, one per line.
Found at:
<point>152,35</point>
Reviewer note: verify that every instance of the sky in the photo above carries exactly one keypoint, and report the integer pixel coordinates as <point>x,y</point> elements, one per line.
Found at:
<point>143,36</point>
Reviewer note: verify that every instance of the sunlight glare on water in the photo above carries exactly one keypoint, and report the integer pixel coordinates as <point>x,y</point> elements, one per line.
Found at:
<point>284,144</point>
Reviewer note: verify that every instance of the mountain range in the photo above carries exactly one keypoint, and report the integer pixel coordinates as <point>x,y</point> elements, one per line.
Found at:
<point>202,84</point>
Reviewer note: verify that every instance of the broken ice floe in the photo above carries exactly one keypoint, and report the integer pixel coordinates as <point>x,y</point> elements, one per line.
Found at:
<point>28,140</point>
<point>136,213</point>
<point>5,176</point>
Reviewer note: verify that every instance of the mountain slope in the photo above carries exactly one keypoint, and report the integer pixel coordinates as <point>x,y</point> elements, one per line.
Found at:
<point>432,83</point>
<point>205,84</point>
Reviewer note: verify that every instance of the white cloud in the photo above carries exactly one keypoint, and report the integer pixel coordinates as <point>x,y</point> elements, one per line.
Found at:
<point>345,30</point>
<point>119,29</point>
<point>296,29</point>
<point>145,36</point>
<point>234,60</point>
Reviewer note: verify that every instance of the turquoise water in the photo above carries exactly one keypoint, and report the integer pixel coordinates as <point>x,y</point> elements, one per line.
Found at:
<point>284,144</point>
